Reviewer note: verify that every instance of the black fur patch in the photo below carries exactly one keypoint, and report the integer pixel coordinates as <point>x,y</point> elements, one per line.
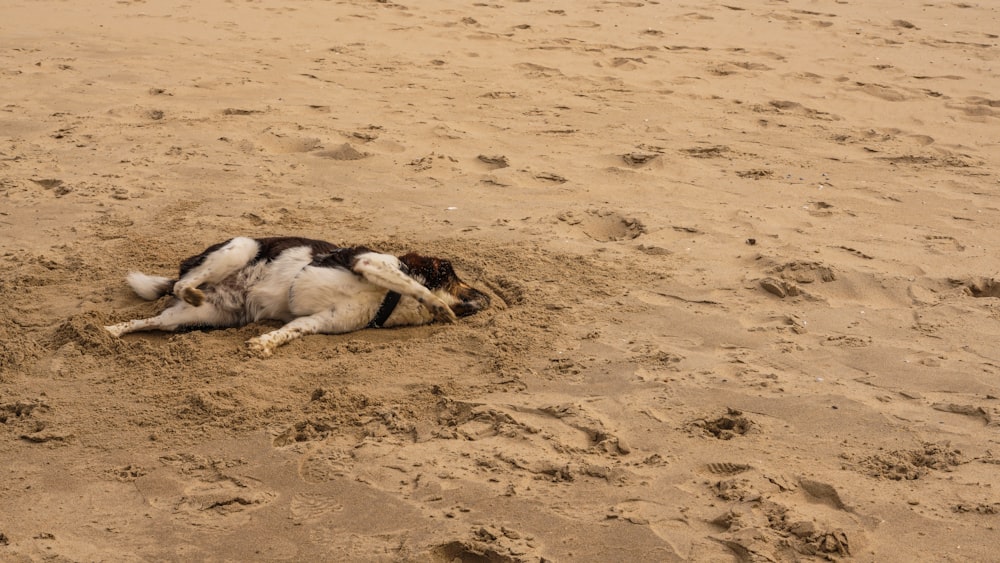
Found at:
<point>271,248</point>
<point>339,258</point>
<point>436,273</point>
<point>193,262</point>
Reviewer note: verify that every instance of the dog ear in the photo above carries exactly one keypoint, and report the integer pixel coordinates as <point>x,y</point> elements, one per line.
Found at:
<point>434,272</point>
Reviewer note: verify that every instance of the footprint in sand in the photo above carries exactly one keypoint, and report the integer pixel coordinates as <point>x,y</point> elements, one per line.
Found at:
<point>304,431</point>
<point>604,225</point>
<point>825,493</point>
<point>324,463</point>
<point>909,465</point>
<point>786,106</point>
<point>222,498</point>
<point>755,173</point>
<point>58,187</point>
<point>726,468</point>
<point>639,158</point>
<point>766,532</point>
<point>285,144</point>
<point>978,107</point>
<point>201,496</point>
<point>983,287</point>
<point>801,271</point>
<point>725,427</point>
<point>787,277</point>
<point>627,63</point>
<point>312,506</point>
<point>343,152</point>
<point>488,544</point>
<point>240,111</point>
<point>532,70</point>
<point>598,437</point>
<point>882,91</point>
<point>943,244</point>
<point>714,151</point>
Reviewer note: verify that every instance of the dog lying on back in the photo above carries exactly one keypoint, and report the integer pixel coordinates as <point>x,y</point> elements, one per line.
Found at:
<point>313,286</point>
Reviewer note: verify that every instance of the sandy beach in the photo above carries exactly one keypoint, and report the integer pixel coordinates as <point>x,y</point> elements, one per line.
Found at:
<point>742,259</point>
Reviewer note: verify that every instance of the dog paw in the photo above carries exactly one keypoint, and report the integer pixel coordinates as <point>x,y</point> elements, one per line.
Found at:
<point>116,330</point>
<point>191,295</point>
<point>442,312</point>
<point>260,348</point>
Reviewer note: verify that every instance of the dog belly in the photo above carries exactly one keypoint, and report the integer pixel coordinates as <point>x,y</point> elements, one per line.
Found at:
<point>268,285</point>
<point>319,289</point>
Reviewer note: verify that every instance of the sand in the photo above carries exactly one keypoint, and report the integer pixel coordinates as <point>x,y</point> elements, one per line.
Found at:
<point>742,258</point>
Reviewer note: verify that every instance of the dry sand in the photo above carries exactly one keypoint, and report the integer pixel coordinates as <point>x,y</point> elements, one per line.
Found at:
<point>741,255</point>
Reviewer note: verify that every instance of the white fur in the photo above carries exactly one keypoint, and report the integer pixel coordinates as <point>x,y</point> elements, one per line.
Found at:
<point>269,285</point>
<point>333,301</point>
<point>146,286</point>
<point>310,299</point>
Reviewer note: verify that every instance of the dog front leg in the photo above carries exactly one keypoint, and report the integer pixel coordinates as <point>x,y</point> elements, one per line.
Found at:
<point>383,271</point>
<point>324,322</point>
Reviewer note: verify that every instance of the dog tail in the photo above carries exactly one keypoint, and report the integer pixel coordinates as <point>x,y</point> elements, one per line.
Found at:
<point>149,287</point>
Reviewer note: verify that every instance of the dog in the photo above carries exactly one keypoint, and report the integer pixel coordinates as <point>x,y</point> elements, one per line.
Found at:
<point>313,286</point>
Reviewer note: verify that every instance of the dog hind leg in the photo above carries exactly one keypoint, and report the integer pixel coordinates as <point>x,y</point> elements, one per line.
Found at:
<point>180,315</point>
<point>215,267</point>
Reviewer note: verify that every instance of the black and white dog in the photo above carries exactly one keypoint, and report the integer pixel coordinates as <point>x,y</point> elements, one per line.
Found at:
<point>313,286</point>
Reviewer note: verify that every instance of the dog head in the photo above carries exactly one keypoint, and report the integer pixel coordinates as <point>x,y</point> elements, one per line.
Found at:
<point>438,276</point>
